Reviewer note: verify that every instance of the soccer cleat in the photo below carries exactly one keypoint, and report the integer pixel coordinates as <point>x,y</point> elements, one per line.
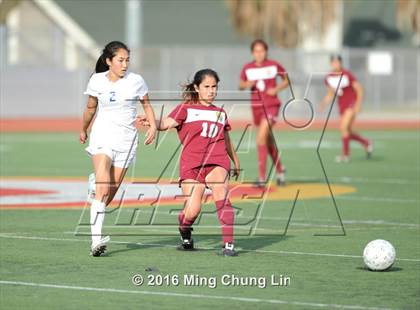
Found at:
<point>369,150</point>
<point>342,159</point>
<point>91,188</point>
<point>259,183</point>
<point>281,178</point>
<point>99,248</point>
<point>187,243</point>
<point>228,250</point>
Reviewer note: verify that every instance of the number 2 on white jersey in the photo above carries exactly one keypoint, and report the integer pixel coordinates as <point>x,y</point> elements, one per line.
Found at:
<point>209,131</point>
<point>112,96</point>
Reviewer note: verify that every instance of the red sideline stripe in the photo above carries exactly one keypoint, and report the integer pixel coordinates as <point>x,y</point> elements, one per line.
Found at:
<point>74,125</point>
<point>237,191</point>
<point>78,204</point>
<point>23,191</point>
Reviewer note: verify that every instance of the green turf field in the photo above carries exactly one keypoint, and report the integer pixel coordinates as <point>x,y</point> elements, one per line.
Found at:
<point>44,265</point>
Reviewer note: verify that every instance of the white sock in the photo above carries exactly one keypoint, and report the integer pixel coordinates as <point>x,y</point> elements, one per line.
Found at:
<point>92,183</point>
<point>91,188</point>
<point>97,215</point>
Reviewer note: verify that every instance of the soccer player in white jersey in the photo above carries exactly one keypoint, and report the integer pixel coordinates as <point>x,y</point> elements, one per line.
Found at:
<point>113,96</point>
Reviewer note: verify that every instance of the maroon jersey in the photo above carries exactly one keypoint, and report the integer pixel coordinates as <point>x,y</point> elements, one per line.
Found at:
<point>265,76</point>
<point>345,92</point>
<point>201,132</point>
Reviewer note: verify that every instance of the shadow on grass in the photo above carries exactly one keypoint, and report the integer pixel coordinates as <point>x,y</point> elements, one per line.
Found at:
<point>392,269</point>
<point>374,158</point>
<point>249,244</point>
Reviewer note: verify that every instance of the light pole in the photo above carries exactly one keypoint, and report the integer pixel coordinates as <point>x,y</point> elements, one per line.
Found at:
<point>134,29</point>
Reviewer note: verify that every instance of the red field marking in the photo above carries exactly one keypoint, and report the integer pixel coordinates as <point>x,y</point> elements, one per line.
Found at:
<point>40,125</point>
<point>80,204</point>
<point>237,192</point>
<point>74,124</point>
<point>58,196</point>
<point>22,191</point>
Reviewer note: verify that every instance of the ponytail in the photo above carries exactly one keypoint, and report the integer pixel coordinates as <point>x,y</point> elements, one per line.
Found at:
<point>109,52</point>
<point>188,91</point>
<point>101,65</point>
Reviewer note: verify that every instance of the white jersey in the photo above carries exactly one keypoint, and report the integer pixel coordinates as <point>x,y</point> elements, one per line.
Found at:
<point>117,110</point>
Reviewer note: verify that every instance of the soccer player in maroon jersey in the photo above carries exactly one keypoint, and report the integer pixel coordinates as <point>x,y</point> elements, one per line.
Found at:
<point>203,130</point>
<point>350,96</point>
<point>260,76</point>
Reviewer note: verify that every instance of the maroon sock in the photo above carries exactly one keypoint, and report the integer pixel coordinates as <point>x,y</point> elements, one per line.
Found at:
<point>226,215</point>
<point>360,139</point>
<point>346,146</point>
<point>262,160</point>
<point>275,157</point>
<point>184,223</point>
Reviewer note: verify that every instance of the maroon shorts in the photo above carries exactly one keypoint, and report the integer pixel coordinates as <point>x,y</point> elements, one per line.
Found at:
<point>342,107</point>
<point>198,174</point>
<point>270,113</point>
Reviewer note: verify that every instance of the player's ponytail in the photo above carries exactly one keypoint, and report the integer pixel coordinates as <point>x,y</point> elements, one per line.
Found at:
<point>101,65</point>
<point>189,94</point>
<point>109,52</point>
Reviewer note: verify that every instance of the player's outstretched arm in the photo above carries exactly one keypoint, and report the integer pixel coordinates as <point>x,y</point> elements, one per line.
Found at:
<point>167,123</point>
<point>161,124</point>
<point>150,116</point>
<point>88,115</point>
<point>232,154</point>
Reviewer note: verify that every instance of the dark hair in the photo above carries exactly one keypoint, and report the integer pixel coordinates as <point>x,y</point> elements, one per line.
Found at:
<point>109,52</point>
<point>336,57</point>
<point>259,41</point>
<point>189,93</point>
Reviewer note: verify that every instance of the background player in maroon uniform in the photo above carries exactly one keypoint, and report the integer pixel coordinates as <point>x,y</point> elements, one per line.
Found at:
<point>260,76</point>
<point>350,96</point>
<point>203,130</point>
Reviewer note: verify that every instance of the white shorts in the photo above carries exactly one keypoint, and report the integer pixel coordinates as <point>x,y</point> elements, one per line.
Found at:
<point>119,159</point>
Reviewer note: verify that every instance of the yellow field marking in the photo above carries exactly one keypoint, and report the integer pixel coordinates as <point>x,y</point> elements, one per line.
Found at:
<point>308,191</point>
<point>239,193</point>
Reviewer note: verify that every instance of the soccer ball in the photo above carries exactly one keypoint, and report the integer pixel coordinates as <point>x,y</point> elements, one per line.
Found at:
<point>379,255</point>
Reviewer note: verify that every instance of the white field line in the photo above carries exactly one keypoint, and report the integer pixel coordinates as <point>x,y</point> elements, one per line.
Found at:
<point>389,200</point>
<point>250,230</point>
<point>11,236</point>
<point>197,296</point>
<point>381,222</point>
<point>294,221</point>
<point>359,180</point>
